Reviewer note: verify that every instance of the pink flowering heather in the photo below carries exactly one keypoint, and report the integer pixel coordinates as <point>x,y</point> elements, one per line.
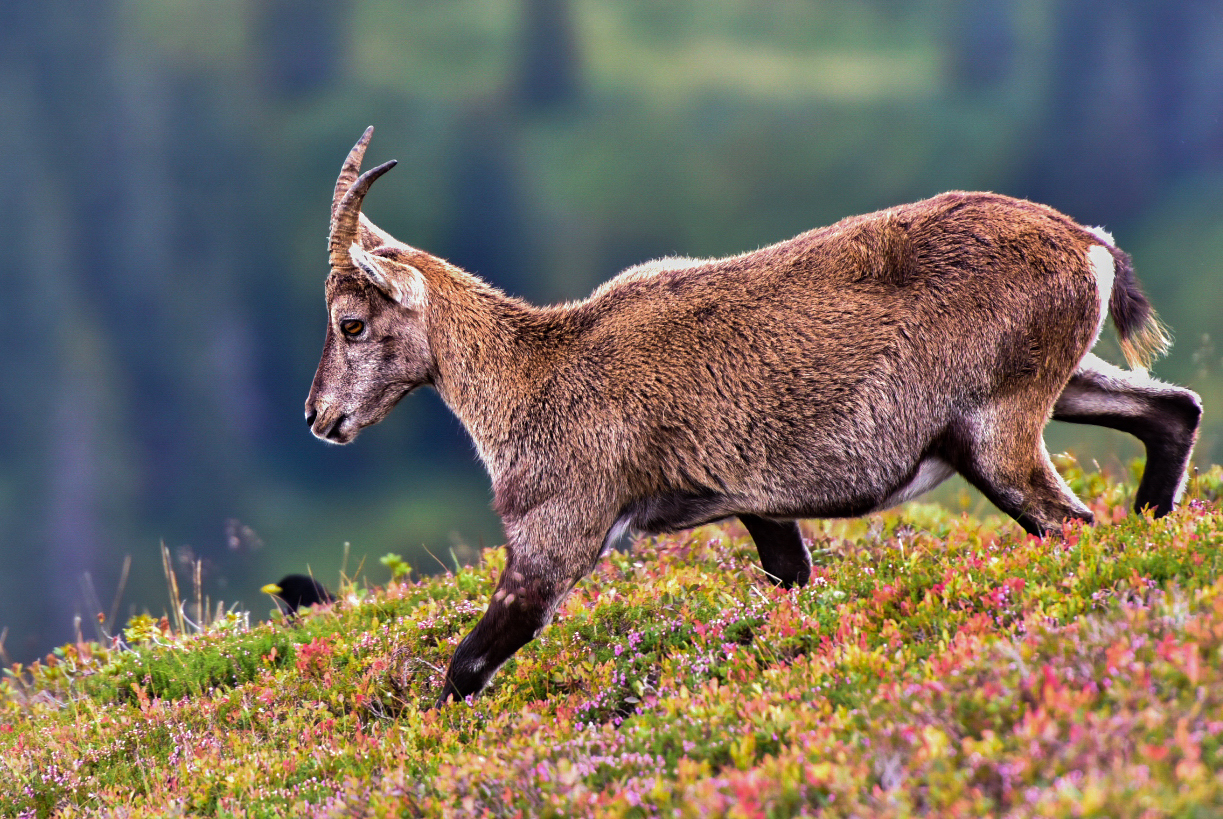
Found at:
<point>935,665</point>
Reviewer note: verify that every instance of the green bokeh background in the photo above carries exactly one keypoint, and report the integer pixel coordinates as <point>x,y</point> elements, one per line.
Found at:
<point>169,166</point>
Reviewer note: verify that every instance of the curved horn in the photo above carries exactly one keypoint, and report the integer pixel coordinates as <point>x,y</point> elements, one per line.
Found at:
<point>345,222</point>
<point>351,169</point>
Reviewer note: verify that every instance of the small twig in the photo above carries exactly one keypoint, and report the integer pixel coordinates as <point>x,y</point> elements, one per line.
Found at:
<point>198,579</point>
<point>425,662</point>
<point>175,601</point>
<point>360,566</point>
<point>92,601</point>
<point>114,607</point>
<point>183,617</point>
<point>445,568</point>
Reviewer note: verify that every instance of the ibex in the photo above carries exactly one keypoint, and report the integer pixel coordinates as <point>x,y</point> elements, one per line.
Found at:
<point>831,375</point>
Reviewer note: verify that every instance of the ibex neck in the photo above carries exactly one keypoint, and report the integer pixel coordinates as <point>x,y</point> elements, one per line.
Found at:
<point>484,359</point>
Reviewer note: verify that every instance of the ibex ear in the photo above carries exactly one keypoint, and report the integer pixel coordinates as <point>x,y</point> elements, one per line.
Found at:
<point>400,282</point>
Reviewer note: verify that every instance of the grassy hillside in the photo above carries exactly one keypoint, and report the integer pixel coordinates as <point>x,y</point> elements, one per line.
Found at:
<point>935,665</point>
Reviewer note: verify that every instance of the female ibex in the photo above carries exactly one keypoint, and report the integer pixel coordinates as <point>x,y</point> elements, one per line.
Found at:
<point>837,373</point>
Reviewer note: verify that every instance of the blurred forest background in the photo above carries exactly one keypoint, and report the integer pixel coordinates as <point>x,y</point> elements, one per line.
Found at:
<point>170,164</point>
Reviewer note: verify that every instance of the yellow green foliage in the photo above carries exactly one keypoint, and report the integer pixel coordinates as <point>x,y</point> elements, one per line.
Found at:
<point>934,665</point>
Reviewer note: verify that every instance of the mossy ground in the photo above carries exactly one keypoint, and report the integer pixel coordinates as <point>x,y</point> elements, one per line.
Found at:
<point>935,665</point>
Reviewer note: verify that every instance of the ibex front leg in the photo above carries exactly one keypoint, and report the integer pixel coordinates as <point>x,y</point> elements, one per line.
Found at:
<point>534,583</point>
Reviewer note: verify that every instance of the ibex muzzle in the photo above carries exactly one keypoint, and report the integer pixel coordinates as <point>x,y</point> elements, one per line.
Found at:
<point>839,372</point>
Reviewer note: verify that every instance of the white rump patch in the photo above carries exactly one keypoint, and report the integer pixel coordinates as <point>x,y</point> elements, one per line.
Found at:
<point>1104,235</point>
<point>1105,268</point>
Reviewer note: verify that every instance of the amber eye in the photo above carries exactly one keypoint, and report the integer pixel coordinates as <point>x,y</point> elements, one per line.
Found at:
<point>352,327</point>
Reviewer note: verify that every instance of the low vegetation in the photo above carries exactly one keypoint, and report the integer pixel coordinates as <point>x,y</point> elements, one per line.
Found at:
<point>936,664</point>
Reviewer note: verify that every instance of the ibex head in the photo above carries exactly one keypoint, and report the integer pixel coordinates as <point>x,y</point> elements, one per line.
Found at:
<point>376,350</point>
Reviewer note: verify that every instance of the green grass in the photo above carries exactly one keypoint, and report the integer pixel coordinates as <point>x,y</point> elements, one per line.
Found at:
<point>935,665</point>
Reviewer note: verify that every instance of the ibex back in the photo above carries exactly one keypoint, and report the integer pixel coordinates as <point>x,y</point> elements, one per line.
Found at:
<point>837,373</point>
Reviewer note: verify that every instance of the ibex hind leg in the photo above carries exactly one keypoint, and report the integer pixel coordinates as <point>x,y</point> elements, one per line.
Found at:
<point>1163,416</point>
<point>1001,451</point>
<point>783,554</point>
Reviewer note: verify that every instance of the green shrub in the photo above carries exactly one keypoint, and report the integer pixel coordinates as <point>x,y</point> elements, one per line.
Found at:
<point>934,665</point>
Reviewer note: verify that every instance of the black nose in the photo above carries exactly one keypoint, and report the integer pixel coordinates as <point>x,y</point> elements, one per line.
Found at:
<point>310,416</point>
